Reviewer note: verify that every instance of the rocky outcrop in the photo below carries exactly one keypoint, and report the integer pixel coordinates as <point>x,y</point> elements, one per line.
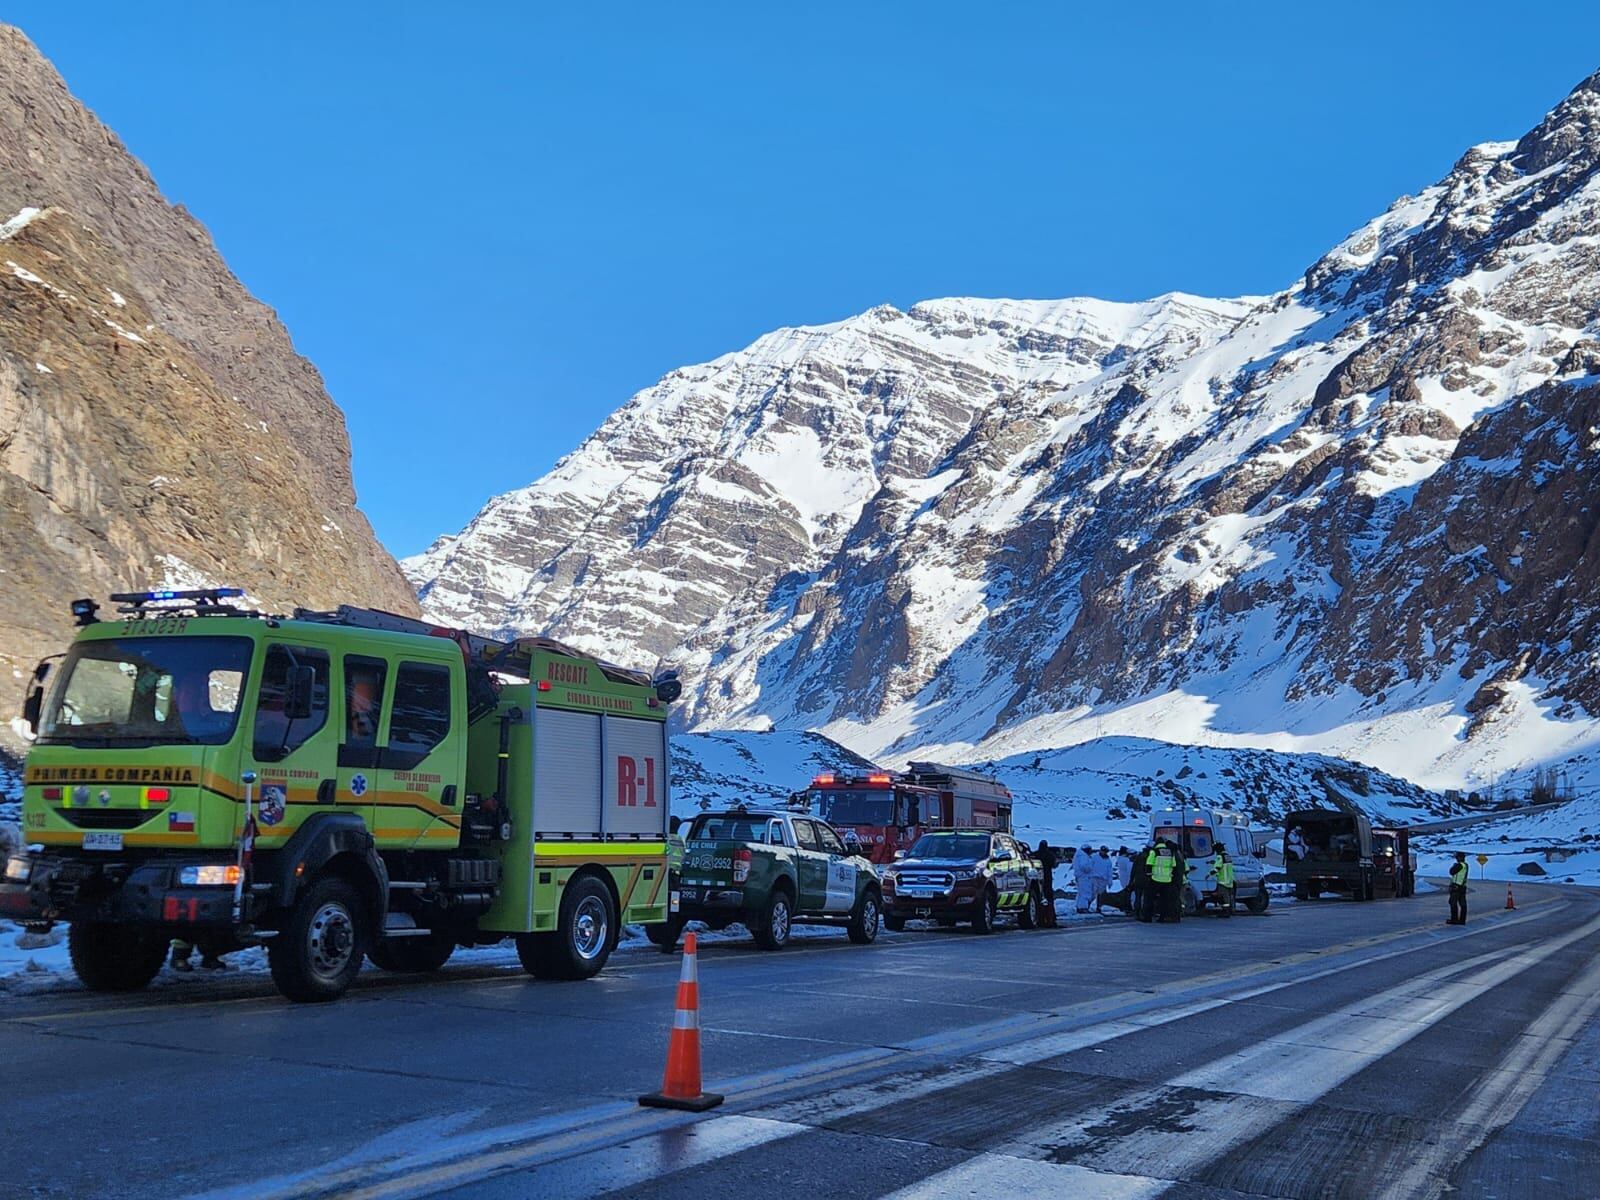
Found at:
<point>155,422</point>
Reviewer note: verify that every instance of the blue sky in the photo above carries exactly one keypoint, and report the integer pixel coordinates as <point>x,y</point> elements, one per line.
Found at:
<point>489,226</point>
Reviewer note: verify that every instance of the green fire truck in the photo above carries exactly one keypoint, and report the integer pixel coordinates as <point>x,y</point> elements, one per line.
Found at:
<point>335,785</point>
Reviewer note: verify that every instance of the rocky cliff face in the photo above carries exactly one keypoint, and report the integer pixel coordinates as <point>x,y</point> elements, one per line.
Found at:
<point>1357,516</point>
<point>155,421</point>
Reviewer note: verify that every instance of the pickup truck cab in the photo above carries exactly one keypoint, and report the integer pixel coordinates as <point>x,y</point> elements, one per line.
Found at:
<point>770,870</point>
<point>953,875</point>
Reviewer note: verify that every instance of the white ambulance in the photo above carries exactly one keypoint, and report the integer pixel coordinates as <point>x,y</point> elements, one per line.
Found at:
<point>1198,832</point>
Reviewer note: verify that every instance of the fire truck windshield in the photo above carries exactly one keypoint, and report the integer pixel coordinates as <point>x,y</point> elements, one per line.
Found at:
<point>854,806</point>
<point>148,691</point>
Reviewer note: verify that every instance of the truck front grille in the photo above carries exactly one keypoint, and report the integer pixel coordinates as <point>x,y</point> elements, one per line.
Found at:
<point>105,818</point>
<point>941,881</point>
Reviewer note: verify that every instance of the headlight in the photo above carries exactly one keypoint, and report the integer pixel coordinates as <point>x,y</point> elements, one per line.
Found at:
<point>18,868</point>
<point>968,872</point>
<point>209,876</point>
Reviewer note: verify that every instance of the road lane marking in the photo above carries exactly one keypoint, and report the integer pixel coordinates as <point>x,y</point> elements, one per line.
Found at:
<point>1176,1129</point>
<point>1001,1175</point>
<point>1497,1097</point>
<point>453,1161</point>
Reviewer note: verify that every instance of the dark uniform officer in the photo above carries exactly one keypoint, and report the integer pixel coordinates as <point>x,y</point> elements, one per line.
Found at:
<point>1048,857</point>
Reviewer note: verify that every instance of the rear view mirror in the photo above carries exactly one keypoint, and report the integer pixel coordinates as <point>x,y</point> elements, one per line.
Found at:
<point>899,854</point>
<point>299,693</point>
<point>33,703</point>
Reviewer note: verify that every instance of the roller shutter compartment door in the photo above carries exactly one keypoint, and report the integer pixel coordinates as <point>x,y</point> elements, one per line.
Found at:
<point>635,776</point>
<point>566,772</point>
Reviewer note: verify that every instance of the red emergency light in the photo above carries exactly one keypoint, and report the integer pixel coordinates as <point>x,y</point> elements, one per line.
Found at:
<point>52,793</point>
<point>544,685</point>
<point>877,779</point>
<point>823,779</point>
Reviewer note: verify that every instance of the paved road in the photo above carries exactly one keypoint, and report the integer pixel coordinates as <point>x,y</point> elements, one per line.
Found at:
<point>1324,1050</point>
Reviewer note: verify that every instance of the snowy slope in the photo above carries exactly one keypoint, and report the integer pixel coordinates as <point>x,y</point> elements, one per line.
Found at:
<point>713,769</point>
<point>1353,518</point>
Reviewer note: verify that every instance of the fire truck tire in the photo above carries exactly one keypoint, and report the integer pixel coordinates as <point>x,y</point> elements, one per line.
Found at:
<point>983,913</point>
<point>318,951</point>
<point>1028,914</point>
<point>412,954</point>
<point>864,921</point>
<point>773,928</point>
<point>665,935</point>
<point>585,931</point>
<point>894,924</point>
<point>114,958</point>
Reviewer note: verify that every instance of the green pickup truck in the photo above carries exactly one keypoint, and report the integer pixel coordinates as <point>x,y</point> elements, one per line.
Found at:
<point>770,870</point>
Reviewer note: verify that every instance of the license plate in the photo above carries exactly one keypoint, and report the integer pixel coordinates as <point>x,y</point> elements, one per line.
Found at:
<point>102,841</point>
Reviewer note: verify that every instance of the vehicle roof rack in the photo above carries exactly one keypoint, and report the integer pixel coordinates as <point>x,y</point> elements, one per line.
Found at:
<point>513,657</point>
<point>202,601</point>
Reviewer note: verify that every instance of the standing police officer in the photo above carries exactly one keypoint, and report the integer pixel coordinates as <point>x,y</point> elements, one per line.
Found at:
<point>1458,890</point>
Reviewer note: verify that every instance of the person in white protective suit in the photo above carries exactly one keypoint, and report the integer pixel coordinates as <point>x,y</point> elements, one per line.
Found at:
<point>1124,868</point>
<point>1083,877</point>
<point>1103,871</point>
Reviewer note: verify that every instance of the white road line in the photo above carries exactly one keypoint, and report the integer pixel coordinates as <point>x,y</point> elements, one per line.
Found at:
<point>1164,1132</point>
<point>613,1168</point>
<point>1497,1098</point>
<point>991,1175</point>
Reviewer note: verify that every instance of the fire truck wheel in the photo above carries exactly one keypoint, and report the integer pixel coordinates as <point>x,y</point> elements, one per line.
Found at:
<point>413,954</point>
<point>894,924</point>
<point>114,958</point>
<point>864,921</point>
<point>772,931</point>
<point>585,932</point>
<point>1028,914</point>
<point>318,951</point>
<point>665,935</point>
<point>983,914</point>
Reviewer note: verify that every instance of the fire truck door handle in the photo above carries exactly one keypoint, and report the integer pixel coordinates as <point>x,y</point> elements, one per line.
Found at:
<point>448,796</point>
<point>325,792</point>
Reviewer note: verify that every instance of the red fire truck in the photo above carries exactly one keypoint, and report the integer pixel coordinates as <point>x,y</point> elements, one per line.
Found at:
<point>889,810</point>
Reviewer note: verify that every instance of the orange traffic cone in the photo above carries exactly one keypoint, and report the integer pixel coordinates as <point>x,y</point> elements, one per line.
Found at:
<point>1510,903</point>
<point>680,1087</point>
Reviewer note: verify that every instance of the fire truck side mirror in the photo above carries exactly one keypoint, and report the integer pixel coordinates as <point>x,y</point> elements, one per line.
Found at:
<point>33,703</point>
<point>299,693</point>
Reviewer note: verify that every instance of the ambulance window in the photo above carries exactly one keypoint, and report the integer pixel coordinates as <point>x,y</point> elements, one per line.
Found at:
<point>805,835</point>
<point>276,737</point>
<point>420,719</point>
<point>363,710</point>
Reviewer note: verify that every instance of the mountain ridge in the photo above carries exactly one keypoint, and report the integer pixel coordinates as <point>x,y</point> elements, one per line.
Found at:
<point>979,528</point>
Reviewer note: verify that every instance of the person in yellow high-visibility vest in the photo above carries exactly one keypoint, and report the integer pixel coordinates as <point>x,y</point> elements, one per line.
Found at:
<point>1222,872</point>
<point>1458,890</point>
<point>1163,861</point>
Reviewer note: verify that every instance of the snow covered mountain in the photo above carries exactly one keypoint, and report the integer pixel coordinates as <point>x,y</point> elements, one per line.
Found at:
<point>1357,517</point>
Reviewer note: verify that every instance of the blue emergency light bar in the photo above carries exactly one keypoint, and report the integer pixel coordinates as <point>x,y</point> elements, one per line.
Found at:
<point>204,595</point>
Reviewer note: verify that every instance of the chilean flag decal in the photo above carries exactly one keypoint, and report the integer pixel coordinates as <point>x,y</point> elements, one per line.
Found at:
<point>180,822</point>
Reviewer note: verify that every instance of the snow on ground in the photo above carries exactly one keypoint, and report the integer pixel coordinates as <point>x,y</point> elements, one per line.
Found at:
<point>712,769</point>
<point>1559,845</point>
<point>1102,791</point>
